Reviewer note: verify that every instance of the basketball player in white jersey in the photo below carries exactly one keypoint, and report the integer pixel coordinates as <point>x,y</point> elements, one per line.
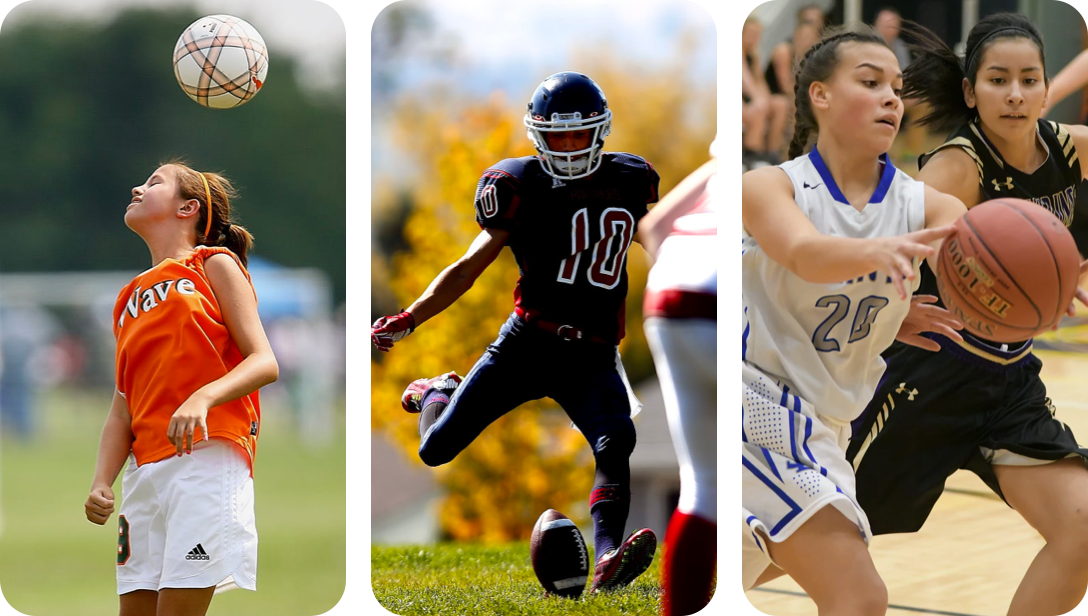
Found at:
<point>830,238</point>
<point>681,322</point>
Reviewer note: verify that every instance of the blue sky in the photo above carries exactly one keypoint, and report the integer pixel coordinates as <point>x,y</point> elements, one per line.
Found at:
<point>510,47</point>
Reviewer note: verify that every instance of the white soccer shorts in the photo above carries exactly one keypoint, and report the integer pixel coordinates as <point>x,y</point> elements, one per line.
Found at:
<point>188,522</point>
<point>794,463</point>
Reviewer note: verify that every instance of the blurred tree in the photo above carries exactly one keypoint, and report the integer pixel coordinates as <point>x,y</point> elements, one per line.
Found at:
<point>89,110</point>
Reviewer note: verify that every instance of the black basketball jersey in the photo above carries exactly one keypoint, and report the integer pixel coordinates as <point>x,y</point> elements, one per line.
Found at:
<point>1053,185</point>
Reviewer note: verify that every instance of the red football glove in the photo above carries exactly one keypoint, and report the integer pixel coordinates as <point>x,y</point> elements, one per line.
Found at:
<point>388,330</point>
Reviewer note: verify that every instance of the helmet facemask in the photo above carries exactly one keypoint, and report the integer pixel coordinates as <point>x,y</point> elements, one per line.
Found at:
<point>576,164</point>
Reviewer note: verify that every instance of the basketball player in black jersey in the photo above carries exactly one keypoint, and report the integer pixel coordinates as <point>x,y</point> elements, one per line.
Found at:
<point>971,403</point>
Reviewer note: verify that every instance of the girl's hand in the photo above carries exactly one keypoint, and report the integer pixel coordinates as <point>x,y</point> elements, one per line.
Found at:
<point>193,413</point>
<point>99,505</point>
<point>1080,294</point>
<point>894,255</point>
<point>923,317</point>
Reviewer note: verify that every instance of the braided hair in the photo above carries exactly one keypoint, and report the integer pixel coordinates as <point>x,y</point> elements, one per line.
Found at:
<point>936,74</point>
<point>818,64</point>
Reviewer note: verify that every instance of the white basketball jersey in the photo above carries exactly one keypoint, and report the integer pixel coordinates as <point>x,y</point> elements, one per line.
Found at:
<point>823,341</point>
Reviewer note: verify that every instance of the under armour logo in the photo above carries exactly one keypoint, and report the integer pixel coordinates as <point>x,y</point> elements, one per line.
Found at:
<point>556,183</point>
<point>1007,184</point>
<point>910,392</point>
<point>814,185</point>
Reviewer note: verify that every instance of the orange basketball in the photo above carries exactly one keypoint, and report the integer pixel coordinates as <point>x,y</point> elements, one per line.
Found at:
<point>1010,270</point>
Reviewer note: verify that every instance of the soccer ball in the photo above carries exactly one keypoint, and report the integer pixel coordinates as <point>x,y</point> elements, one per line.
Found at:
<point>220,61</point>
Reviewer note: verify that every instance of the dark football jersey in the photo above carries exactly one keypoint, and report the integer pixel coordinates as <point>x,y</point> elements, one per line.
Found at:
<point>1053,185</point>
<point>569,237</point>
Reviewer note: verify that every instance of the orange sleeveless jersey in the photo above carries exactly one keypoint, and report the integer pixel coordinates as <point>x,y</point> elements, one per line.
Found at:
<point>171,341</point>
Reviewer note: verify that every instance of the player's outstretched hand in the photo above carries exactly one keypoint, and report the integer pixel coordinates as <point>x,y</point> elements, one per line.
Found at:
<point>923,317</point>
<point>894,255</point>
<point>192,414</point>
<point>99,505</point>
<point>1080,294</point>
<point>388,330</point>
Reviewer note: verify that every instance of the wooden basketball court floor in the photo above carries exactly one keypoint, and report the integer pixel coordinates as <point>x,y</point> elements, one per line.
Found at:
<point>973,550</point>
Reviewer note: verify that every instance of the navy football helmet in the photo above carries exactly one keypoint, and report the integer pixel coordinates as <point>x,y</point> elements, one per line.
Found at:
<point>565,102</point>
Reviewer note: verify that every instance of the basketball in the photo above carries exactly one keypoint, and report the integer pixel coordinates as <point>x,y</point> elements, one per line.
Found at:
<point>1010,270</point>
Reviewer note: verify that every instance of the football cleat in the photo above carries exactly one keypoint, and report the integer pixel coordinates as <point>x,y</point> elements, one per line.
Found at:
<point>619,567</point>
<point>412,398</point>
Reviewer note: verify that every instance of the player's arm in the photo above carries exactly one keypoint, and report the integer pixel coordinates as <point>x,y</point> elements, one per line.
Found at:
<point>113,448</point>
<point>656,225</point>
<point>781,229</point>
<point>925,316</point>
<point>1068,80</point>
<point>941,211</point>
<point>770,215</point>
<point>115,443</point>
<point>458,278</point>
<point>952,186</point>
<point>952,171</point>
<point>239,307</point>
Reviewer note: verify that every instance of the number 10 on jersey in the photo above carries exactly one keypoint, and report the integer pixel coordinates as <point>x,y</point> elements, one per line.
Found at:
<point>606,268</point>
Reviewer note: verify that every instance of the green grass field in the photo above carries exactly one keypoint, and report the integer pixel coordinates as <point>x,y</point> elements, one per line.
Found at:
<point>460,579</point>
<point>53,562</point>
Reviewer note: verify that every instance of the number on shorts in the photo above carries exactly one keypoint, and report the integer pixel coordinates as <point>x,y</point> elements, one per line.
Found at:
<point>123,550</point>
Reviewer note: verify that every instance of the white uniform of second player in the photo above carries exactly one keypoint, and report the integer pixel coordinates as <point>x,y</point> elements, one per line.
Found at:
<point>811,360</point>
<point>681,293</point>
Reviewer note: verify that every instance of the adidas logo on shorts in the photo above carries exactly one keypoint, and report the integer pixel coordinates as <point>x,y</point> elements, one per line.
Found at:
<point>197,553</point>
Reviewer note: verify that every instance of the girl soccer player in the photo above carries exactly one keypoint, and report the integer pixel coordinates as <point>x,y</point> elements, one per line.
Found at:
<point>978,404</point>
<point>191,355</point>
<point>829,239</point>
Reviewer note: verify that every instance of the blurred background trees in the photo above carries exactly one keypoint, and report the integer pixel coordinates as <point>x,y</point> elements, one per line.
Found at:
<point>79,135</point>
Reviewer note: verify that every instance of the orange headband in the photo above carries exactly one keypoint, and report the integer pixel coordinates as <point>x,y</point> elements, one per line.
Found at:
<point>208,195</point>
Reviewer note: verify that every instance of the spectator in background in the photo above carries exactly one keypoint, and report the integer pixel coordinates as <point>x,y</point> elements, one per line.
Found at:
<point>779,75</point>
<point>888,23</point>
<point>911,143</point>
<point>27,332</point>
<point>764,114</point>
<point>812,14</point>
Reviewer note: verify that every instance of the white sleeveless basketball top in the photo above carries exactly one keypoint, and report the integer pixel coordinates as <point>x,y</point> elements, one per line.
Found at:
<point>823,341</point>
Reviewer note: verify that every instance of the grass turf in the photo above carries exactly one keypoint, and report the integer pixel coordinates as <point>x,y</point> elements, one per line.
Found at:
<point>53,562</point>
<point>459,579</point>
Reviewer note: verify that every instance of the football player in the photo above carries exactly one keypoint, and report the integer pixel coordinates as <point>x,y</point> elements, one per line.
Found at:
<point>681,321</point>
<point>569,215</point>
